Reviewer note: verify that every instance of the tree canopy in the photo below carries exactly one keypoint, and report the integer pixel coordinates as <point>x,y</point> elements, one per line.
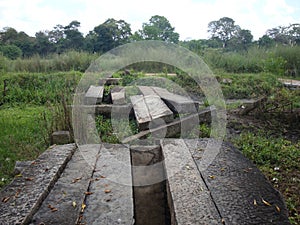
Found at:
<point>158,28</point>
<point>224,33</point>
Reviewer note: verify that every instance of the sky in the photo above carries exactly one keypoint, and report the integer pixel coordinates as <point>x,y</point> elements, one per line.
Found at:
<point>189,17</point>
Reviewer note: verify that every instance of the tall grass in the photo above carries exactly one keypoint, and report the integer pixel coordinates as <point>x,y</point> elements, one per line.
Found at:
<point>72,60</point>
<point>37,88</point>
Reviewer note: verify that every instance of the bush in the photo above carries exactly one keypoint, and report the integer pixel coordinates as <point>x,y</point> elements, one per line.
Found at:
<point>292,57</point>
<point>11,51</point>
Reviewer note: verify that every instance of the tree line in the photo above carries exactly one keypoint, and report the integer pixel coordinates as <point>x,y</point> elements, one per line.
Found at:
<point>224,33</point>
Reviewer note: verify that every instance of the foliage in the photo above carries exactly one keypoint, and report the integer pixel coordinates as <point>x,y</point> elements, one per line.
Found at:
<point>275,65</point>
<point>36,89</point>
<point>158,28</point>
<point>288,35</point>
<point>21,137</point>
<point>108,134</point>
<point>291,56</point>
<point>109,35</point>
<point>224,29</point>
<point>71,60</point>
<point>11,51</point>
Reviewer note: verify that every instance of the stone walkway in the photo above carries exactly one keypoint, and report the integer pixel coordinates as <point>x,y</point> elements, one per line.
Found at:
<point>162,181</point>
<point>93,185</point>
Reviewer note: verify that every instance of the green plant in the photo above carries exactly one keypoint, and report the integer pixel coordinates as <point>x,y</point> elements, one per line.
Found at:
<point>268,153</point>
<point>275,65</point>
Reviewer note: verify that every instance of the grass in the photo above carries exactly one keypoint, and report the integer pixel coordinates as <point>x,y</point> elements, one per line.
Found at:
<point>22,137</point>
<point>278,159</point>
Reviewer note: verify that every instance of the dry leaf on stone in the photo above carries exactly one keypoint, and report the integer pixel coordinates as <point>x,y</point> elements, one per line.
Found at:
<point>88,193</point>
<point>17,193</point>
<point>77,179</point>
<point>52,208</point>
<point>83,206</point>
<point>254,202</point>
<point>265,202</point>
<point>74,204</point>
<point>107,191</point>
<point>5,199</point>
<point>29,178</point>
<point>277,208</point>
<point>212,177</point>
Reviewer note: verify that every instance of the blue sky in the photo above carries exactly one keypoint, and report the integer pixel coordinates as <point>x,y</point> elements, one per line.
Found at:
<point>189,17</point>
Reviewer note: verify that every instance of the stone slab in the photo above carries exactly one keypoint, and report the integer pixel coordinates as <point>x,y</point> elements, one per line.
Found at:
<point>189,199</point>
<point>60,137</point>
<point>69,191</point>
<point>183,126</point>
<point>150,109</point>
<point>27,191</point>
<point>111,201</point>
<point>105,109</point>
<point>177,103</point>
<point>118,96</point>
<point>94,95</point>
<point>238,188</point>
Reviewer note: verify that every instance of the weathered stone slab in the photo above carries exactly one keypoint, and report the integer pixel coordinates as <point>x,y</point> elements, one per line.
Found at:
<point>94,95</point>
<point>238,188</point>
<point>177,103</point>
<point>20,166</point>
<point>60,137</point>
<point>111,198</point>
<point>118,96</point>
<point>26,192</point>
<point>70,190</point>
<point>188,197</point>
<point>183,126</point>
<point>149,109</point>
<point>146,90</point>
<point>105,109</point>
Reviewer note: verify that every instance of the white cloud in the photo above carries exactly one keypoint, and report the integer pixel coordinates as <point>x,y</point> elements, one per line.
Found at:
<point>190,17</point>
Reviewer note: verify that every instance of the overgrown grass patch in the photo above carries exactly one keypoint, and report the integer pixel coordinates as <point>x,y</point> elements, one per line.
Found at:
<point>22,137</point>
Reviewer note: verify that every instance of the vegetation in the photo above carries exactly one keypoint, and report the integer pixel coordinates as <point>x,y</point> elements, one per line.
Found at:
<point>38,77</point>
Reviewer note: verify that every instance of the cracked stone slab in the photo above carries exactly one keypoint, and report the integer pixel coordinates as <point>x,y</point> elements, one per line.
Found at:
<point>188,197</point>
<point>238,188</point>
<point>70,190</point>
<point>111,198</point>
<point>26,192</point>
<point>150,110</point>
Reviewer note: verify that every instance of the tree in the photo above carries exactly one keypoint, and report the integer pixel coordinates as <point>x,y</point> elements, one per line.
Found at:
<point>11,51</point>
<point>43,46</point>
<point>158,28</point>
<point>265,42</point>
<point>241,41</point>
<point>73,38</point>
<point>286,35</point>
<point>110,34</point>
<point>224,29</point>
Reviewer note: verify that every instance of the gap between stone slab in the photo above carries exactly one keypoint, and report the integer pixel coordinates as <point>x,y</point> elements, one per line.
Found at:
<point>150,200</point>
